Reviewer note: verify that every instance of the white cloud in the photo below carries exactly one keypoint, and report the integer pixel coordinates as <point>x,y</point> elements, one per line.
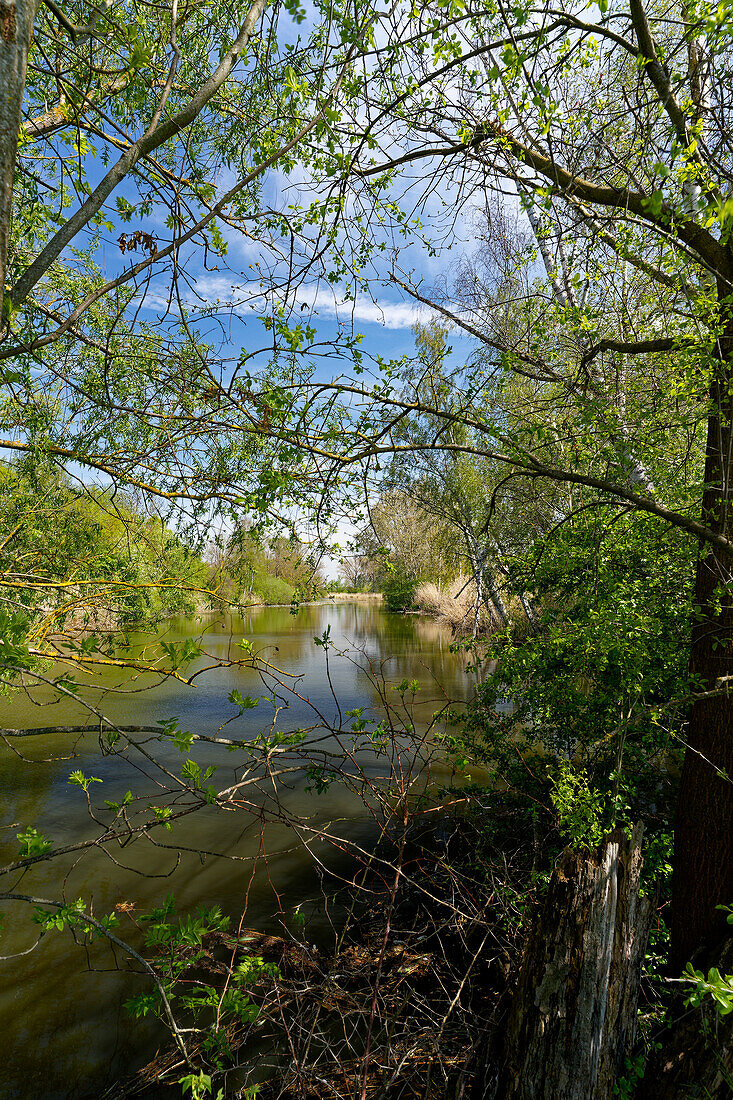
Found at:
<point>325,303</point>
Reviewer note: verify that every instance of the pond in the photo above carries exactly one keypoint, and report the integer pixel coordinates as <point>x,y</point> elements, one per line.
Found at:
<point>65,1031</point>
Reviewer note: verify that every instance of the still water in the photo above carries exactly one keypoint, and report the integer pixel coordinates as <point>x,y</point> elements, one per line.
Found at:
<point>64,1031</point>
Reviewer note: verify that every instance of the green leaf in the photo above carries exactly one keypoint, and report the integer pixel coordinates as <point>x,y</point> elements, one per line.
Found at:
<point>32,843</point>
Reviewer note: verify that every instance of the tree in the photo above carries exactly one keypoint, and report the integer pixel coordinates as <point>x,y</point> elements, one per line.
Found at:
<point>186,109</point>
<point>133,145</point>
<point>146,94</point>
<point>356,572</point>
<point>609,374</point>
<point>15,39</point>
<point>76,560</point>
<point>479,528</point>
<point>613,136</point>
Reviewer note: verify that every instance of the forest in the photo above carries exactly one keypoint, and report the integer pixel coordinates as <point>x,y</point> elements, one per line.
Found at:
<point>428,301</point>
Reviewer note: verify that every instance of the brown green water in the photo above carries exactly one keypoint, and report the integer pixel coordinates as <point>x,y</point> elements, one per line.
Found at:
<point>64,1031</point>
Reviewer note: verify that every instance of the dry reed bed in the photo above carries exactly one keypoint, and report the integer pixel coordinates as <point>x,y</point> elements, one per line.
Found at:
<point>455,606</point>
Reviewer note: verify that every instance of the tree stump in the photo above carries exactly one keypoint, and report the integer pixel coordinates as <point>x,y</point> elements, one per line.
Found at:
<point>572,1017</point>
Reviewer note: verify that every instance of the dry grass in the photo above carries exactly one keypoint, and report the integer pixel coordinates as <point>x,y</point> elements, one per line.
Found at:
<point>455,605</point>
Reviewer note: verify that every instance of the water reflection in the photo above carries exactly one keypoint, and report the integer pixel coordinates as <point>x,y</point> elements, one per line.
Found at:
<point>60,1011</point>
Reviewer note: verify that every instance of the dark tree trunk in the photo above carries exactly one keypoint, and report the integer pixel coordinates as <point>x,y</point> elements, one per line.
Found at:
<point>573,1014</point>
<point>703,856</point>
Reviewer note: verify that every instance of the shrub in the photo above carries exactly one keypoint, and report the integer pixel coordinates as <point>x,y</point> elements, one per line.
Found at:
<point>399,590</point>
<point>272,589</point>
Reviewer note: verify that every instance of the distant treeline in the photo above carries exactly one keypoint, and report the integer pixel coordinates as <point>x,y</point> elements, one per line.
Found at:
<point>81,556</point>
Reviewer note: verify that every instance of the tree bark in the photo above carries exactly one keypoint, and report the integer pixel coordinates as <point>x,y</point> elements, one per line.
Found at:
<point>703,855</point>
<point>497,601</point>
<point>573,1015</point>
<point>16,31</point>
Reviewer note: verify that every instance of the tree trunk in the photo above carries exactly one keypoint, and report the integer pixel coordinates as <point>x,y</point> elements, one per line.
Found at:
<point>529,611</point>
<point>703,855</point>
<point>16,32</point>
<point>497,602</point>
<point>573,1014</point>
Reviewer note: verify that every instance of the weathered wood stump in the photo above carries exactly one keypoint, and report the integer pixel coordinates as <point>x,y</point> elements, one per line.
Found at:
<point>573,1014</point>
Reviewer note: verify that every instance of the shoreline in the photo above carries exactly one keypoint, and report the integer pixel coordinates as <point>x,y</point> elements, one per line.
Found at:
<point>110,622</point>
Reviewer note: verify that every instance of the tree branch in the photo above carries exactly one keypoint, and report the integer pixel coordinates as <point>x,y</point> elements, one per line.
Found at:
<point>637,347</point>
<point>155,136</point>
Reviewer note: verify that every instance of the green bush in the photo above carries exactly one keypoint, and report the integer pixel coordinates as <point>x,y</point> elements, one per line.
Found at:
<point>587,709</point>
<point>399,590</point>
<point>132,567</point>
<point>272,589</point>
